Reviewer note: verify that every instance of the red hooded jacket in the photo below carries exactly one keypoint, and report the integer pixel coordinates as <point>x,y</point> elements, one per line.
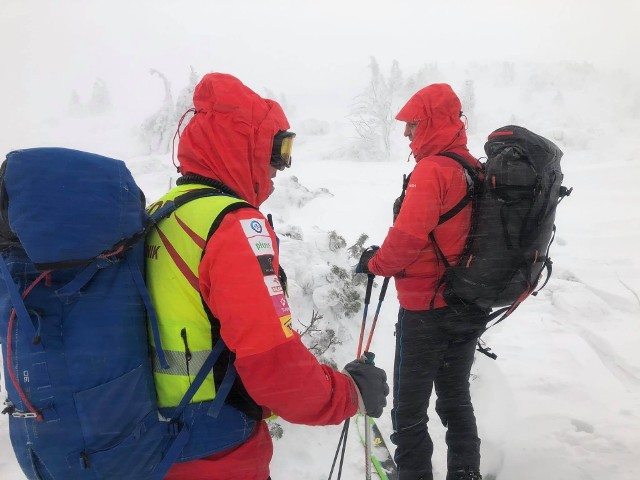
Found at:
<point>230,139</point>
<point>437,184</point>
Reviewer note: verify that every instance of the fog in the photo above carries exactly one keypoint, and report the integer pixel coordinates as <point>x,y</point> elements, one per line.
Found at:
<point>563,400</point>
<point>306,49</point>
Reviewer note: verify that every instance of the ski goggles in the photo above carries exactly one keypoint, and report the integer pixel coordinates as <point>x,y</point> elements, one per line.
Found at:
<point>281,152</point>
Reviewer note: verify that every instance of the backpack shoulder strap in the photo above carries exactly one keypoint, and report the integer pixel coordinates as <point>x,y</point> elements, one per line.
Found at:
<point>210,188</point>
<point>171,206</point>
<point>473,177</point>
<point>472,171</point>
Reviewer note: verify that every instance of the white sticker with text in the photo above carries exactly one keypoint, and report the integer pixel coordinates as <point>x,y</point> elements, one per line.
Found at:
<point>273,285</point>
<point>258,236</point>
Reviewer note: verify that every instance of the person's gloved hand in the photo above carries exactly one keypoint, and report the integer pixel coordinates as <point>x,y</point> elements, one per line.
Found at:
<point>371,384</point>
<point>363,263</point>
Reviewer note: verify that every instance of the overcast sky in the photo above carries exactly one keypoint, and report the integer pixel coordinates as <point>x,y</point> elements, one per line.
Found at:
<point>300,47</point>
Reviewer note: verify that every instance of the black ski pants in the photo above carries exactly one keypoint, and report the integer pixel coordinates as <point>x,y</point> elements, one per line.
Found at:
<point>435,347</point>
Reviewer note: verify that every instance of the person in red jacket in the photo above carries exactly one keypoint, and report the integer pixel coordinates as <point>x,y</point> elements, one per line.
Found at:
<point>230,145</point>
<point>435,342</point>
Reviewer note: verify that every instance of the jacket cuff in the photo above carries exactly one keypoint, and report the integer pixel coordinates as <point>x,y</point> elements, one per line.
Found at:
<point>361,408</point>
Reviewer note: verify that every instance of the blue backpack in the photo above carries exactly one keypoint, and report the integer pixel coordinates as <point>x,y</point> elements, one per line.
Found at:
<point>73,327</point>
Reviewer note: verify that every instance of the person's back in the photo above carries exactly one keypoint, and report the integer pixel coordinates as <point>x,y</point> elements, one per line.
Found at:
<point>214,272</point>
<point>435,343</point>
<point>436,185</point>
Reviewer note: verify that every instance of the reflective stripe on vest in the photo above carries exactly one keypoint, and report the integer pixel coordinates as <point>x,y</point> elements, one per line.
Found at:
<point>173,252</point>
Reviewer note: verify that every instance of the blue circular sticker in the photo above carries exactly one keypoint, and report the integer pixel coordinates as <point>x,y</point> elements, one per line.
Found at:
<point>256,227</point>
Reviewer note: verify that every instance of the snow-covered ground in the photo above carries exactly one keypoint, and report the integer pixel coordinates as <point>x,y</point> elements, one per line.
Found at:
<point>563,399</point>
<point>562,402</point>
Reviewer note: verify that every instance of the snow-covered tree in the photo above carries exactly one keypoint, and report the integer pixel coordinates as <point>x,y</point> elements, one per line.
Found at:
<point>100,101</point>
<point>372,114</point>
<point>427,74</point>
<point>468,99</point>
<point>75,105</point>
<point>185,98</point>
<point>281,98</point>
<point>508,73</point>
<point>158,130</point>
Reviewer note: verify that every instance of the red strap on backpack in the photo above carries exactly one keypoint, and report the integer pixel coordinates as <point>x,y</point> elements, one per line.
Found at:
<point>12,374</point>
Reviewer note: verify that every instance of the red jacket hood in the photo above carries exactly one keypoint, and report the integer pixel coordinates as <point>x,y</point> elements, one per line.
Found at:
<point>231,136</point>
<point>437,110</point>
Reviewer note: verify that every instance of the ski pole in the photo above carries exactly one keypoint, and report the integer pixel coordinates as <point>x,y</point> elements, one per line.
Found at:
<point>367,299</point>
<point>383,291</point>
<point>377,464</point>
<point>342,442</point>
<point>367,431</point>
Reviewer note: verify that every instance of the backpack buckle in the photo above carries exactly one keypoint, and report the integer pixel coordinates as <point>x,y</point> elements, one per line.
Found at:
<point>18,414</point>
<point>11,409</point>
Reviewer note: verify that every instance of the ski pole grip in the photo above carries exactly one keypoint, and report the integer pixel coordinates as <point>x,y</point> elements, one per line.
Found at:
<point>369,358</point>
<point>367,295</point>
<point>383,290</point>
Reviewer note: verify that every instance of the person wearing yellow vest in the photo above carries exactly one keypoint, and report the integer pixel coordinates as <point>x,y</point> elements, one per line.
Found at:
<point>213,272</point>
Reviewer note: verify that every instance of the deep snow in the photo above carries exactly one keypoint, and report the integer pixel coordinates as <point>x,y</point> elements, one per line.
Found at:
<point>563,399</point>
<point>562,402</point>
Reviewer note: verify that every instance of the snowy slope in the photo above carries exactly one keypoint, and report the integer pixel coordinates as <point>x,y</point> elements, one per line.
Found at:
<point>563,399</point>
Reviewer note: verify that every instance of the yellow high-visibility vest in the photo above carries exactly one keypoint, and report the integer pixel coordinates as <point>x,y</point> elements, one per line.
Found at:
<point>173,251</point>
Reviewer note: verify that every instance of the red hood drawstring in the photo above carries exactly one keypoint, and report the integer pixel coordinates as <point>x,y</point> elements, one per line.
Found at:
<point>177,134</point>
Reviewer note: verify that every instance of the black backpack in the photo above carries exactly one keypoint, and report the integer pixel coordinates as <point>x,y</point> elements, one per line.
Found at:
<point>514,197</point>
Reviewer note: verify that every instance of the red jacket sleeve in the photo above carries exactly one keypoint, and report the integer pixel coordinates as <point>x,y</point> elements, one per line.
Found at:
<point>418,216</point>
<point>239,283</point>
<point>398,250</point>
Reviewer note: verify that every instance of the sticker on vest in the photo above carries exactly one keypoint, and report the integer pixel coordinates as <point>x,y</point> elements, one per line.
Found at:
<point>254,226</point>
<point>273,285</point>
<point>266,264</point>
<point>258,236</point>
<point>286,325</point>
<point>281,305</point>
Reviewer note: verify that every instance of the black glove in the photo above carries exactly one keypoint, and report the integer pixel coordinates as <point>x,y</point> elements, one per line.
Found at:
<point>363,263</point>
<point>371,383</point>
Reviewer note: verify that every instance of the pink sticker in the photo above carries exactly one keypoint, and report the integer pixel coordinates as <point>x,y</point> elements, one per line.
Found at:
<point>281,305</point>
